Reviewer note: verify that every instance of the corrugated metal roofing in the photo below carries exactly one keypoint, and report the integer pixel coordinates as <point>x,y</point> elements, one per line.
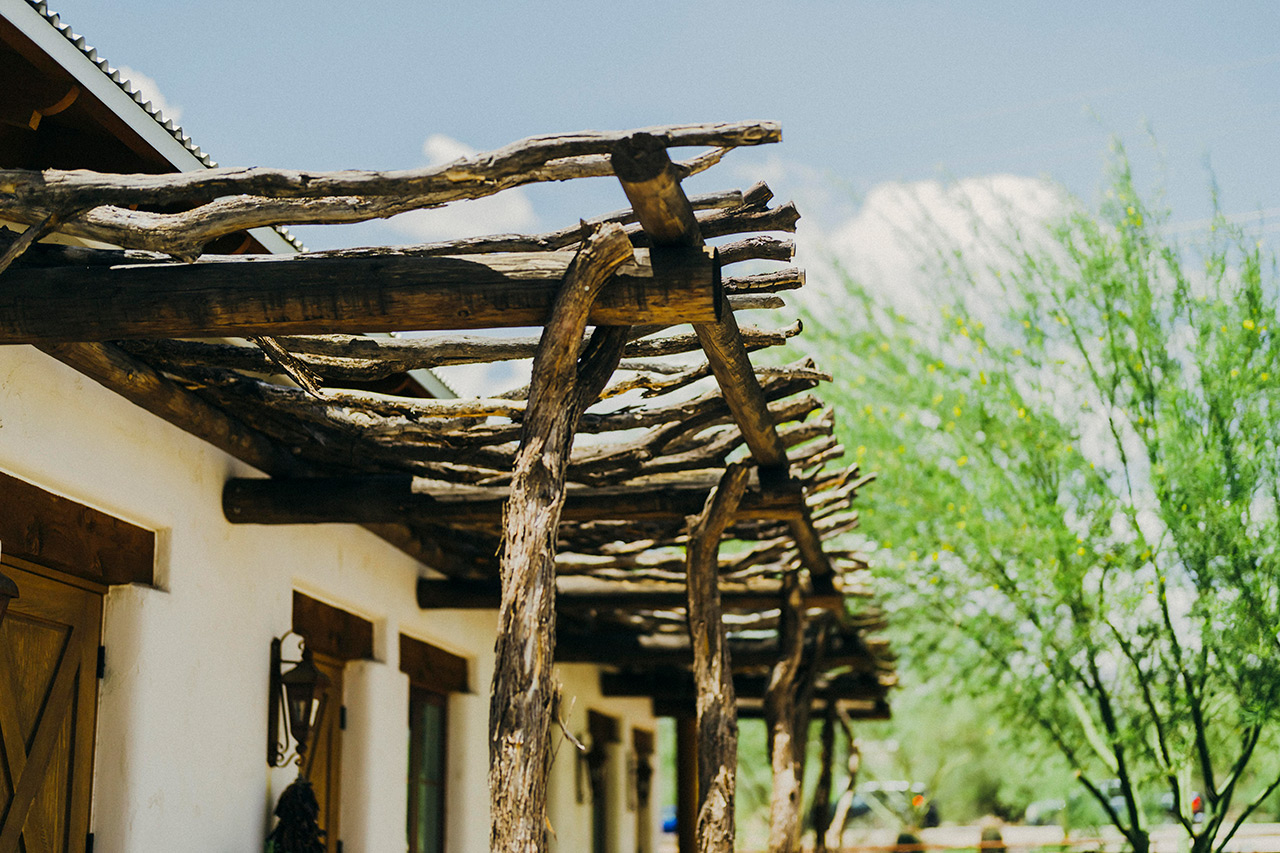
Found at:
<point>136,94</point>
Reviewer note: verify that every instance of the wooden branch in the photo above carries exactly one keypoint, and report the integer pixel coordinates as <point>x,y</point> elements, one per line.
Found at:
<point>564,381</point>
<point>292,366</point>
<point>717,720</point>
<point>466,177</point>
<point>769,282</point>
<point>759,247</point>
<point>141,385</point>
<point>754,302</point>
<point>299,294</point>
<point>249,198</point>
<point>52,255</point>
<point>25,240</point>
<point>626,649</point>
<point>348,358</point>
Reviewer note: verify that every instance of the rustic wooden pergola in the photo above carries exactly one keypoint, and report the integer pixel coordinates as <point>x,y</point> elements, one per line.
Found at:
<point>662,517</point>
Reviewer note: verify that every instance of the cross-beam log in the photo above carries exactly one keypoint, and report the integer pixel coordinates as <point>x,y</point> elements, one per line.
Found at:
<point>394,498</point>
<point>677,685</point>
<point>389,291</point>
<point>436,594</point>
<point>652,184</point>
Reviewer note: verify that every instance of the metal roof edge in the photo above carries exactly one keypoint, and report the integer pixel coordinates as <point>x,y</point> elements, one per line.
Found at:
<point>50,33</point>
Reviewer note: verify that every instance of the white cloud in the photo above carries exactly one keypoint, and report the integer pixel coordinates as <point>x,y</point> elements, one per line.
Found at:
<point>892,242</point>
<point>506,212</point>
<point>151,92</point>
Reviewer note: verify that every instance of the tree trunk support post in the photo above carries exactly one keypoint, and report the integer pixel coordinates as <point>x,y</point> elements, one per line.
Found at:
<point>780,721</point>
<point>564,382</point>
<point>713,675</point>
<point>652,184</point>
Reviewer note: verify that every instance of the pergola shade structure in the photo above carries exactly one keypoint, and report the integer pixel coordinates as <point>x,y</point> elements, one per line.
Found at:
<point>273,360</point>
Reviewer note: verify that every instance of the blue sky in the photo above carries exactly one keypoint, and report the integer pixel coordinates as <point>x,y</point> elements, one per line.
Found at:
<point>869,93</point>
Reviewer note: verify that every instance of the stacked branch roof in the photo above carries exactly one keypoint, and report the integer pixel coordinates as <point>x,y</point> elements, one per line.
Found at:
<point>647,453</point>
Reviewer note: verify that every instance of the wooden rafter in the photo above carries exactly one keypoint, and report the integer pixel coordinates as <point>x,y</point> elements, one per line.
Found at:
<point>652,183</point>
<point>392,291</point>
<point>393,497</point>
<point>431,476</point>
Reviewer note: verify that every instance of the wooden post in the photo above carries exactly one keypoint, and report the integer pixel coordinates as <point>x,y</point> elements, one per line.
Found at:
<point>713,675</point>
<point>822,790</point>
<point>563,383</point>
<point>780,720</point>
<point>686,783</point>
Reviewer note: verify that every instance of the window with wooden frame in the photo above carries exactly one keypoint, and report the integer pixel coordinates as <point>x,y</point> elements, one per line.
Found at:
<point>334,636</point>
<point>433,675</point>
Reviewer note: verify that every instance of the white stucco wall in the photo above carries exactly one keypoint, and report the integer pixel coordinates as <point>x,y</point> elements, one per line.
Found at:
<point>180,760</point>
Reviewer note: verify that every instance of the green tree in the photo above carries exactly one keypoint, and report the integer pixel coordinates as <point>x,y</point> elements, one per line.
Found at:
<point>1077,504</point>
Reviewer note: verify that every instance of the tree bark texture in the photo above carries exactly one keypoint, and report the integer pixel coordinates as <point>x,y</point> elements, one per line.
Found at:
<point>564,382</point>
<point>716,703</point>
<point>780,720</point>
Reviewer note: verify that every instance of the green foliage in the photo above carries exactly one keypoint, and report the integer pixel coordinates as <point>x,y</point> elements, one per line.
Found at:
<point>1077,503</point>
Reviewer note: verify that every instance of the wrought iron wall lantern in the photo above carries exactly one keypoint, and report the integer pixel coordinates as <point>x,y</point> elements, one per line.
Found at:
<point>8,592</point>
<point>297,691</point>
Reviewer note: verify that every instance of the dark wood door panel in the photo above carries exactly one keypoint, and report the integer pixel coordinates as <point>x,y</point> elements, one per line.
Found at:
<point>48,704</point>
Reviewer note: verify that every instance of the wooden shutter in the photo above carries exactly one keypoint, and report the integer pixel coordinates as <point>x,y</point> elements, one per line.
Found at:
<point>48,704</point>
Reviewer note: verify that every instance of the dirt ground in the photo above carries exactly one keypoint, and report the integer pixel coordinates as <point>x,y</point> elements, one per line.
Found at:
<point>1252,838</point>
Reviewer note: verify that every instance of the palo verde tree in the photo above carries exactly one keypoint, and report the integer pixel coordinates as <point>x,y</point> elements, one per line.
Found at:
<point>1077,508</point>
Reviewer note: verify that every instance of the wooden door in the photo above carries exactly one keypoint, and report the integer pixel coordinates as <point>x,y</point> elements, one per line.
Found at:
<point>48,704</point>
<point>324,752</point>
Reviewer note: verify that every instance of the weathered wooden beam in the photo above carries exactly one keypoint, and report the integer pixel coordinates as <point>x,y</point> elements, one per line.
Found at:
<point>467,177</point>
<point>613,650</point>
<point>298,295</point>
<point>345,358</point>
<point>566,379</point>
<point>716,702</point>
<point>433,594</point>
<point>651,182</point>
<point>670,684</point>
<point>396,498</point>
<point>224,201</point>
<point>114,369</point>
